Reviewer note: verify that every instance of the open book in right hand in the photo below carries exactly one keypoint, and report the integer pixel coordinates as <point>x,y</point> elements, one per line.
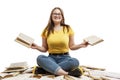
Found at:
<point>93,40</point>
<point>24,40</point>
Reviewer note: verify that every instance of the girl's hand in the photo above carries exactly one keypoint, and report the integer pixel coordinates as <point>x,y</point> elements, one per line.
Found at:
<point>84,44</point>
<point>34,46</point>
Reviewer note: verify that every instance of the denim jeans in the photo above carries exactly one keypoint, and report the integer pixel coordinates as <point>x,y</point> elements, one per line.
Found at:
<point>52,63</point>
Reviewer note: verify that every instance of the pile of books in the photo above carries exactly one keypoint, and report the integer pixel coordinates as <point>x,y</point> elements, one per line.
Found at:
<point>14,69</point>
<point>90,73</point>
<point>17,67</point>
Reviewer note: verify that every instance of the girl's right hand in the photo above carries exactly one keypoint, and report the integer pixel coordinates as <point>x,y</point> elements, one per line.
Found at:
<point>34,46</point>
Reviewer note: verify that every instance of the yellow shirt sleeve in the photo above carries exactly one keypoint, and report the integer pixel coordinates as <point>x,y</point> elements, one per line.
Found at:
<point>44,34</point>
<point>71,32</point>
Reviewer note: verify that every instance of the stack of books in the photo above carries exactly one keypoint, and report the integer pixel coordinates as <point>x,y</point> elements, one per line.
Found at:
<point>17,67</point>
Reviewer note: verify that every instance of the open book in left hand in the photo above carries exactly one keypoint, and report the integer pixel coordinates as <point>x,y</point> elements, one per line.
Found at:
<point>93,40</point>
<point>24,40</point>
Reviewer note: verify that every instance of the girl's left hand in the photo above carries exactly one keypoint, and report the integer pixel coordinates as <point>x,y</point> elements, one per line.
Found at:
<point>84,44</point>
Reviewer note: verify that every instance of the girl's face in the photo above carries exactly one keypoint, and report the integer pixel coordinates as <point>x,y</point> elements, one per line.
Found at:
<point>56,16</point>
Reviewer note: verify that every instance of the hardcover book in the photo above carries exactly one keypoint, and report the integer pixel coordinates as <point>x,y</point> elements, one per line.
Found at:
<point>93,40</point>
<point>24,40</point>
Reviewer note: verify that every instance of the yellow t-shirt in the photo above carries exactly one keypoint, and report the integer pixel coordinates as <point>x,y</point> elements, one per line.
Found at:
<point>58,42</point>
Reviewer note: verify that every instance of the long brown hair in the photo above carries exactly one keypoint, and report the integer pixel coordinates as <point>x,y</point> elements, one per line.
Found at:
<point>50,25</point>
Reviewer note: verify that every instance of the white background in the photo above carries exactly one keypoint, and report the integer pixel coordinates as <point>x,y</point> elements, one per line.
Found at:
<point>86,17</point>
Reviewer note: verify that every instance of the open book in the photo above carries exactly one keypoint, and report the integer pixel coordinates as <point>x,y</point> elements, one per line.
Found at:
<point>24,40</point>
<point>17,67</point>
<point>92,40</point>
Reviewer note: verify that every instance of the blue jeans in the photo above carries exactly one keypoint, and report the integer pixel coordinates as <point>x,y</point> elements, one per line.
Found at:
<point>53,63</point>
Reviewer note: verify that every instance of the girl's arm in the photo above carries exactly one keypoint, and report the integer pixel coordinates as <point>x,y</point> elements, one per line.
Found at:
<point>42,48</point>
<point>74,46</point>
